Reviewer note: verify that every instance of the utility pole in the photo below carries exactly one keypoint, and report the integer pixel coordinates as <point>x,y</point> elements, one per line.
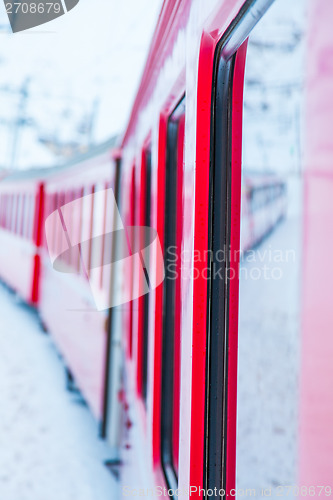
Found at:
<point>18,123</point>
<point>92,121</point>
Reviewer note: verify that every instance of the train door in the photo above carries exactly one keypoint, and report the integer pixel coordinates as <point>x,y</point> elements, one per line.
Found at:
<point>252,388</point>
<point>170,404</point>
<point>143,300</point>
<point>111,426</point>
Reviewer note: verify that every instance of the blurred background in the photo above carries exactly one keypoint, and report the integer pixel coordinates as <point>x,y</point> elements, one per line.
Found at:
<point>69,84</point>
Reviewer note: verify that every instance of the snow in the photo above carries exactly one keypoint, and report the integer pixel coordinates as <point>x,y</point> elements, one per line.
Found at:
<point>270,284</point>
<point>81,72</point>
<point>49,441</point>
<point>269,352</point>
<point>274,82</point>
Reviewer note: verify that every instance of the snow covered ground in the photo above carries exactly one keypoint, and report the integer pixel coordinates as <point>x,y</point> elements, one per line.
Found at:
<point>49,449</point>
<point>270,284</point>
<point>268,361</point>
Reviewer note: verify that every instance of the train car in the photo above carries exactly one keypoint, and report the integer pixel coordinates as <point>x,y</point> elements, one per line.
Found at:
<point>78,223</point>
<point>21,213</point>
<point>214,362</point>
<point>66,284</point>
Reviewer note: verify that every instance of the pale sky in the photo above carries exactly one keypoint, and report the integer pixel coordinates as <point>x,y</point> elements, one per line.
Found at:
<point>93,54</point>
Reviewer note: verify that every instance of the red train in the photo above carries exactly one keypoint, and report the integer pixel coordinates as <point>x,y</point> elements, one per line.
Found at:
<point>216,382</point>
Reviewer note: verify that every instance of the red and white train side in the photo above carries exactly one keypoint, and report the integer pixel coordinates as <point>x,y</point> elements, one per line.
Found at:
<point>80,331</point>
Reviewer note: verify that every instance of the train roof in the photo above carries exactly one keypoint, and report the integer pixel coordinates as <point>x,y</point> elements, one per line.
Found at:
<point>47,172</point>
<point>173,16</point>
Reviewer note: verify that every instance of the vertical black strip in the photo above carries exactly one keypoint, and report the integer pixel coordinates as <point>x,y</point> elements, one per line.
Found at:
<point>146,297</point>
<point>219,244</point>
<point>169,305</point>
<point>172,214</point>
<point>107,381</point>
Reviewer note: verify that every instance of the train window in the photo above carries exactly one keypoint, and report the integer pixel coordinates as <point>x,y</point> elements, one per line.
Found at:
<point>104,239</point>
<point>54,206</point>
<point>87,208</point>
<point>106,248</point>
<point>14,213</point>
<point>145,213</point>
<point>73,252</point>
<point>57,229</point>
<point>68,199</point>
<point>76,228</point>
<point>6,211</point>
<point>26,216</point>
<point>60,233</point>
<point>24,196</point>
<point>6,214</point>
<point>19,214</point>
<point>80,216</point>
<point>64,255</point>
<point>108,243</point>
<point>9,211</point>
<point>2,210</point>
<point>5,208</point>
<point>215,462</point>
<point>32,215</point>
<point>45,215</point>
<point>2,199</point>
<point>98,225</point>
<point>271,241</point>
<point>171,296</point>
<point>131,271</point>
<point>48,211</point>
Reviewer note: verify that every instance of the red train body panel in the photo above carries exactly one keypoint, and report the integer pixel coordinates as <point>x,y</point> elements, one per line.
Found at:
<point>21,215</point>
